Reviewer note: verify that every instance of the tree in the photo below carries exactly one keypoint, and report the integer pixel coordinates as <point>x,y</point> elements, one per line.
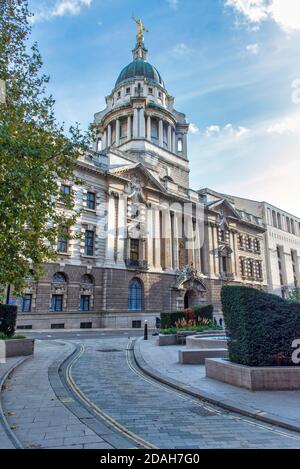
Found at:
<point>294,295</point>
<point>35,154</point>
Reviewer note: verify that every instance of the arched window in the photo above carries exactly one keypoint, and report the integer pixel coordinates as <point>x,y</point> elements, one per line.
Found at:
<point>135,295</point>
<point>86,278</point>
<point>180,145</point>
<point>59,277</point>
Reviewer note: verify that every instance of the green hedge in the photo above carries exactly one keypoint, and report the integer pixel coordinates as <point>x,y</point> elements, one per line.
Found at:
<point>8,319</point>
<point>261,327</point>
<point>169,319</point>
<point>199,312</point>
<point>204,312</point>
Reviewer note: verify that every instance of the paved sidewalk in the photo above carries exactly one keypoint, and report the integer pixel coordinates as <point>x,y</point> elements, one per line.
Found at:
<point>5,442</point>
<point>282,406</point>
<point>37,417</point>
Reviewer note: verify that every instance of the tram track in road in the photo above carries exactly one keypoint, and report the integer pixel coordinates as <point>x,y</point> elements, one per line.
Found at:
<point>100,415</point>
<point>133,365</point>
<point>149,422</point>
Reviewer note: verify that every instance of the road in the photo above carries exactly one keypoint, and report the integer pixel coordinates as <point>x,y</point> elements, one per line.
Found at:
<point>125,407</point>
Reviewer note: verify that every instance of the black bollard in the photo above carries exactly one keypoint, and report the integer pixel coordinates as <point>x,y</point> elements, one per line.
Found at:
<point>146,331</point>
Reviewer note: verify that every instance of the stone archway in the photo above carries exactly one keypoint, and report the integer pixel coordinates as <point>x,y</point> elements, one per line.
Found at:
<point>192,298</point>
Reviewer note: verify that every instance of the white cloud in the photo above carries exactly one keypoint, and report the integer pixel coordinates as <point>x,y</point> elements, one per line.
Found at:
<point>286,13</point>
<point>287,125</point>
<point>60,8</point>
<point>194,129</point>
<point>253,48</point>
<point>173,4</point>
<point>228,130</point>
<point>180,50</point>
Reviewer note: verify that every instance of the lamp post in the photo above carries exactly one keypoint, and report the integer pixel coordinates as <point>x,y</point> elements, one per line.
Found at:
<point>146,331</point>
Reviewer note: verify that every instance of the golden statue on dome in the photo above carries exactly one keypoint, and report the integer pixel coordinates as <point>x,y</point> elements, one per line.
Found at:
<point>141,29</point>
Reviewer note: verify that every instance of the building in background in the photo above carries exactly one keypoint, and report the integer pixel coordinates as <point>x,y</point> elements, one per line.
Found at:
<point>145,241</point>
<point>282,241</point>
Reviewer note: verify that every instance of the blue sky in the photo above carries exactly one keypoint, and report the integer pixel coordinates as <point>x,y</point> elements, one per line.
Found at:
<point>232,65</point>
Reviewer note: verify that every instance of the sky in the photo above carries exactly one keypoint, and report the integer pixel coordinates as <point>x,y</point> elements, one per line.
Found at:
<point>233,67</point>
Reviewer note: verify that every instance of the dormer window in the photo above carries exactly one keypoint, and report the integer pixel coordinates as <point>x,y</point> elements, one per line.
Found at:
<point>128,90</point>
<point>119,94</point>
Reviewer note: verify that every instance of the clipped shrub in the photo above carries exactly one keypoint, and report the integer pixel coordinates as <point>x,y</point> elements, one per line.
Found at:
<point>8,319</point>
<point>204,312</point>
<point>169,320</point>
<point>261,327</point>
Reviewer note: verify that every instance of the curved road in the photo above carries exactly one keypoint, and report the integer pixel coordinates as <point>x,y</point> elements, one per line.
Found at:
<point>106,375</point>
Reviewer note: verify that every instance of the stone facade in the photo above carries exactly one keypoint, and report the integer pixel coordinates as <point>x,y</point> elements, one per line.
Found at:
<point>145,241</point>
<point>282,245</point>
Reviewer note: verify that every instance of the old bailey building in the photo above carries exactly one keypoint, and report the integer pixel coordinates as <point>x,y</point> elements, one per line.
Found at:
<point>148,242</point>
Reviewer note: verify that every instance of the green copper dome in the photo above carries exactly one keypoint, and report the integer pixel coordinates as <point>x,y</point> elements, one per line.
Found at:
<point>139,68</point>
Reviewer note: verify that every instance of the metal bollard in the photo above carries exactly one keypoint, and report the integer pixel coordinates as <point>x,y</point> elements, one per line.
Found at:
<point>146,331</point>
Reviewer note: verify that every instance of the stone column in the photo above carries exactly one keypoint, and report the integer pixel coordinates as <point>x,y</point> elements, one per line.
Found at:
<point>169,138</point>
<point>109,135</point>
<point>150,237</point>
<point>111,230</point>
<point>166,235</point>
<point>173,141</point>
<point>104,139</point>
<point>157,239</point>
<point>135,123</point>
<point>117,132</point>
<point>149,128</point>
<point>121,229</point>
<point>211,250</point>
<point>161,133</point>
<point>216,251</point>
<point>197,256</point>
<point>142,131</point>
<point>176,240</point>
<point>129,128</point>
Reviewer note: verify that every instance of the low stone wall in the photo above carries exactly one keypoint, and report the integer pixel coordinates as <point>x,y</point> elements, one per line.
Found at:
<point>173,339</point>
<point>19,347</point>
<point>197,357</point>
<point>273,378</point>
<point>199,342</point>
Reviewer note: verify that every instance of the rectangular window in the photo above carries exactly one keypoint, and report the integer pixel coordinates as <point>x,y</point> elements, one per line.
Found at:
<point>89,243</point>
<point>62,242</point>
<point>91,200</point>
<point>57,326</point>
<point>65,190</point>
<point>86,325</point>
<point>128,90</point>
<point>26,305</point>
<point>150,90</point>
<point>27,327</point>
<point>134,249</point>
<point>57,303</point>
<point>85,302</point>
<point>136,324</point>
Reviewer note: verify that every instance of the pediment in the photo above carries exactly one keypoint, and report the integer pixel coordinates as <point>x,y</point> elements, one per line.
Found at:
<point>138,171</point>
<point>224,209</point>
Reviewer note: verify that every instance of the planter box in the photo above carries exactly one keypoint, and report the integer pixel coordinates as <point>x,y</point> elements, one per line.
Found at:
<point>174,339</point>
<point>275,378</point>
<point>197,357</point>
<point>17,347</point>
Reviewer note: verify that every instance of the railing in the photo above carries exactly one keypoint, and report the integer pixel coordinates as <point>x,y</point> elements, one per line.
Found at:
<point>139,265</point>
<point>227,276</point>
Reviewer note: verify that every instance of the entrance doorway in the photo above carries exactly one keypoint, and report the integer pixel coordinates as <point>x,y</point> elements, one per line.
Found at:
<point>190,299</point>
